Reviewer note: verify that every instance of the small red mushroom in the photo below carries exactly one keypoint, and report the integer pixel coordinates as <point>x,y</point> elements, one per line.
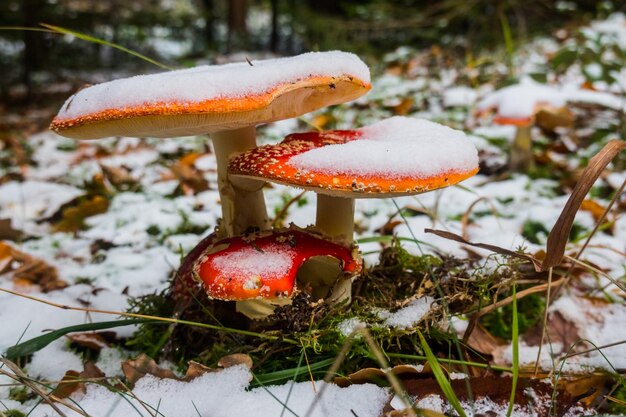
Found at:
<point>258,266</point>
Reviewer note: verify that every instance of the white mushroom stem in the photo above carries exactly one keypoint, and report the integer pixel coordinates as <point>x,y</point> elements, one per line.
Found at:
<point>243,206</point>
<point>335,218</point>
<point>521,156</point>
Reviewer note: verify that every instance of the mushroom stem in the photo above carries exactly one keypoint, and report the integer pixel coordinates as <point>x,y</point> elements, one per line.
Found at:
<point>243,205</point>
<point>335,218</point>
<point>521,156</point>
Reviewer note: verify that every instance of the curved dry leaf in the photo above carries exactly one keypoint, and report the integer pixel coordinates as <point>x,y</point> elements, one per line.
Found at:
<point>559,235</point>
<point>142,365</point>
<point>373,375</point>
<point>235,359</point>
<point>27,270</point>
<point>74,381</point>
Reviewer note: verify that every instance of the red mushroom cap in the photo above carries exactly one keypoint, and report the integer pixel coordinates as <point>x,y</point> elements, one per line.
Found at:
<point>419,156</point>
<point>259,265</point>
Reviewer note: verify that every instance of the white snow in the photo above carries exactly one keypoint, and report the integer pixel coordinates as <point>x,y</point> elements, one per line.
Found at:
<point>521,100</point>
<point>28,201</point>
<point>225,394</point>
<point>272,261</point>
<point>410,315</point>
<point>459,96</point>
<point>394,148</point>
<point>212,82</point>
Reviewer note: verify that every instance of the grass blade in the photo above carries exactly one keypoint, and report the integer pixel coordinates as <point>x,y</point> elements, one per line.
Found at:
<point>440,376</point>
<point>33,345</point>
<point>88,38</point>
<point>288,374</point>
<point>515,347</point>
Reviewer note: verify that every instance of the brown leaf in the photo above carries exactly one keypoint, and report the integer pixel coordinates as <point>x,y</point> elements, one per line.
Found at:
<point>91,340</point>
<point>558,329</point>
<point>593,207</point>
<point>73,381</point>
<point>404,107</point>
<point>235,359</point>
<point>195,370</point>
<point>142,365</point>
<point>191,179</point>
<point>559,236</point>
<point>7,232</point>
<point>586,389</point>
<point>481,341</point>
<point>551,118</point>
<point>373,375</point>
<point>119,177</point>
<point>73,216</point>
<point>28,270</point>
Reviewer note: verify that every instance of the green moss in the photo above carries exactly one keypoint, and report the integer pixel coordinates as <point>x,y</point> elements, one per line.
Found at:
<point>20,394</point>
<point>529,311</point>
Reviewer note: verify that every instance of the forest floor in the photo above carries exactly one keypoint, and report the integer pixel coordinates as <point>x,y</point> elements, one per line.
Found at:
<point>436,323</point>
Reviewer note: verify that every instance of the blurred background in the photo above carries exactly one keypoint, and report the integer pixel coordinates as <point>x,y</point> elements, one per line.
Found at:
<point>40,67</point>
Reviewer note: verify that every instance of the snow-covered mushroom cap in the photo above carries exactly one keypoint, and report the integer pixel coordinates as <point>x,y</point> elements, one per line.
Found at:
<point>262,265</point>
<point>397,156</point>
<point>207,99</point>
<point>518,104</point>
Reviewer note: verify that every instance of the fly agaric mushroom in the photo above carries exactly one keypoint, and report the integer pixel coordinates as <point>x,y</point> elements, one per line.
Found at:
<point>258,269</point>
<point>396,157</point>
<point>227,101</point>
<point>520,105</point>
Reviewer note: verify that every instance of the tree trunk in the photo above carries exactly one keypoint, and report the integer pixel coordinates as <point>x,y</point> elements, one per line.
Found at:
<point>237,29</point>
<point>274,35</point>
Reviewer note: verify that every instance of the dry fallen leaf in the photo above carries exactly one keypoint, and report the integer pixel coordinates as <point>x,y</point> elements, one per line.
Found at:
<point>191,179</point>
<point>119,177</point>
<point>73,216</point>
<point>27,270</point>
<point>95,341</point>
<point>142,365</point>
<point>74,381</point>
<point>7,232</point>
<point>404,107</point>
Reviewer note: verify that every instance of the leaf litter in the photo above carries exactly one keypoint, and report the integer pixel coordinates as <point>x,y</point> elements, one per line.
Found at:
<point>131,246</point>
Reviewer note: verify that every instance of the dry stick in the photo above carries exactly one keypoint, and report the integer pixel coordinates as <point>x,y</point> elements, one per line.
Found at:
<point>592,350</point>
<point>393,379</point>
<point>597,271</point>
<point>20,376</point>
<point>283,212</point>
<point>465,219</point>
<point>545,321</point>
<point>145,316</point>
<point>331,371</point>
<point>521,294</point>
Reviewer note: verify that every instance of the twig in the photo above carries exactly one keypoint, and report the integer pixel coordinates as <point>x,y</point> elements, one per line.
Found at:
<point>145,316</point>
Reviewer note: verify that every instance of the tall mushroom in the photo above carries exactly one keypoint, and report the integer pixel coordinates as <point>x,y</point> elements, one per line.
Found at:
<point>395,157</point>
<point>518,105</point>
<point>227,101</point>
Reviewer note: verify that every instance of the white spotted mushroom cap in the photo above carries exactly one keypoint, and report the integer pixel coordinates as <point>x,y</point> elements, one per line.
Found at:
<point>208,99</point>
<point>397,156</point>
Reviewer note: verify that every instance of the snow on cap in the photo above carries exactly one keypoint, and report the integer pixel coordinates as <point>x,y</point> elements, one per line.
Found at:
<point>518,104</point>
<point>260,265</point>
<point>207,99</point>
<point>397,156</point>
